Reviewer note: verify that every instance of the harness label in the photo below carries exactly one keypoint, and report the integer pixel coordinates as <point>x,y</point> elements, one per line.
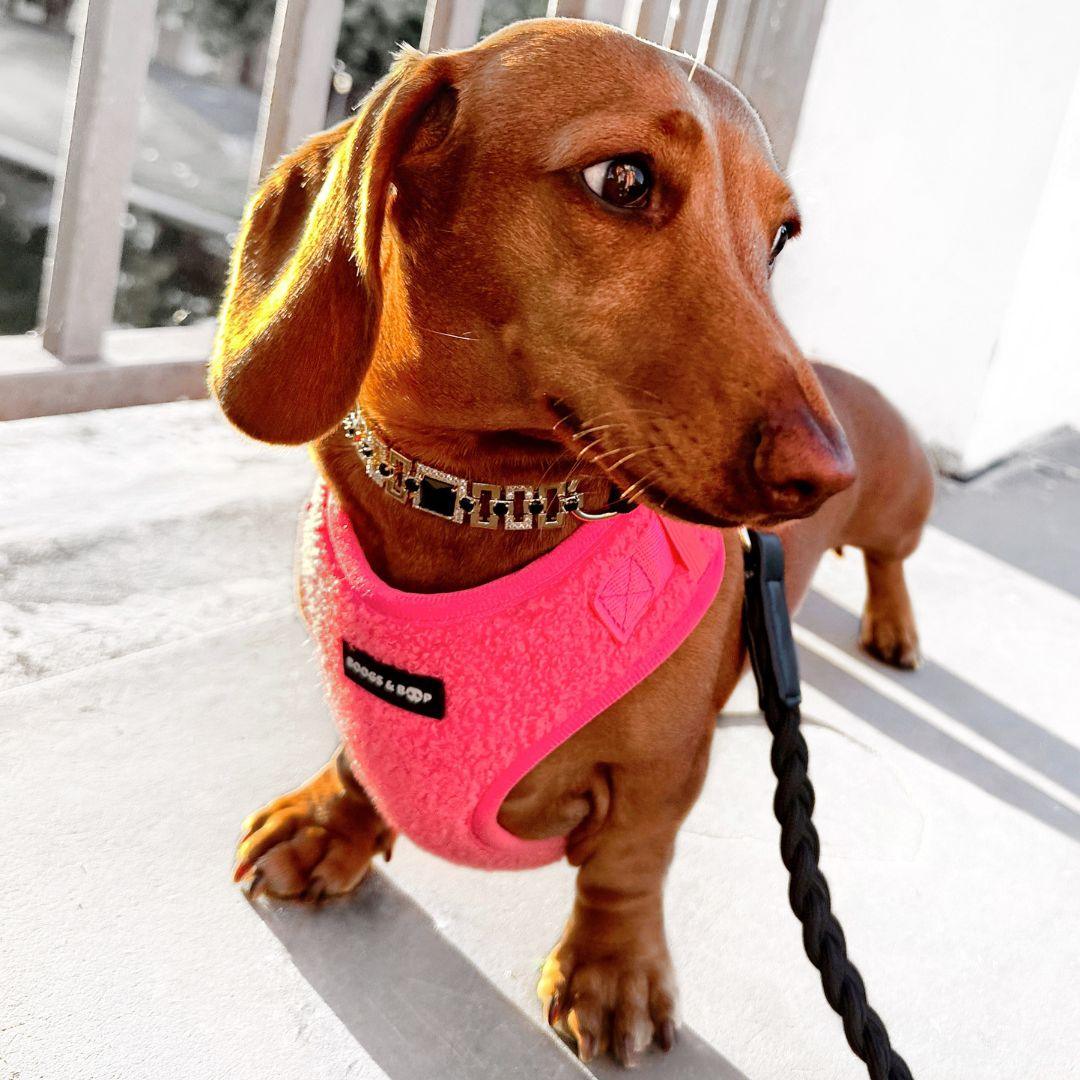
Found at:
<point>421,694</point>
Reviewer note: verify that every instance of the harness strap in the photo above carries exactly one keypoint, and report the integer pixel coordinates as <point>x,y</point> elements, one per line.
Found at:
<point>767,627</point>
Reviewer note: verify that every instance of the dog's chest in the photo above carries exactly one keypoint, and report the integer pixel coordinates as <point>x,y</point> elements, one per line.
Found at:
<point>446,700</point>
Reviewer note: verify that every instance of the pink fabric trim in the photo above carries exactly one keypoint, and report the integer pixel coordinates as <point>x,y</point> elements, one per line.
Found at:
<point>451,606</point>
<point>687,540</point>
<point>525,660</point>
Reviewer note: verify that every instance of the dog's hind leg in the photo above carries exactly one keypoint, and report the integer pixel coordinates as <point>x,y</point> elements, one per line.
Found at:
<point>889,506</point>
<point>315,842</point>
<point>888,628</point>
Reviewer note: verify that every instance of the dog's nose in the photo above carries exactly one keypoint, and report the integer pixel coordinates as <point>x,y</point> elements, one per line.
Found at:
<point>800,463</point>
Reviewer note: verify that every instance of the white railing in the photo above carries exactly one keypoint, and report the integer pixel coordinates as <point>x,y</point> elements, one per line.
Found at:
<point>77,362</point>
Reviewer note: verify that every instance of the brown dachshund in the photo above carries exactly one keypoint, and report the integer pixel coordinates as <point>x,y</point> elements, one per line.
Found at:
<point>551,253</point>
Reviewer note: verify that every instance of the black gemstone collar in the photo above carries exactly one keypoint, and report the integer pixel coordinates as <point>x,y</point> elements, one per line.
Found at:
<point>542,505</point>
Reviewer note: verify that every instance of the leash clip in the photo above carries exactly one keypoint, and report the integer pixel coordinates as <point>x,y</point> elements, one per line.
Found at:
<point>766,621</point>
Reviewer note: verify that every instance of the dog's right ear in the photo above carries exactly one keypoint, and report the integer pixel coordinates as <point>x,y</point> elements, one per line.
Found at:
<point>301,312</point>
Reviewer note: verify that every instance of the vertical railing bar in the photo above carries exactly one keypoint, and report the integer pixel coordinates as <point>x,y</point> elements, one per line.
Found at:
<point>82,262</point>
<point>296,89</point>
<point>691,26</point>
<point>705,36</point>
<point>631,16</point>
<point>451,24</point>
<point>608,11</point>
<point>726,41</point>
<point>567,9</point>
<point>774,60</point>
<point>670,23</point>
<point>757,15</point>
<point>653,21</point>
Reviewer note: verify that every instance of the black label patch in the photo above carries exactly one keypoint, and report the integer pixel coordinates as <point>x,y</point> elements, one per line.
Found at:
<point>421,694</point>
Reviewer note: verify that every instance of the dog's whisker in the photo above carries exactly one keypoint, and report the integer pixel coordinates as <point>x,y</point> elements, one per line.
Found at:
<point>596,427</point>
<point>605,383</point>
<point>549,469</point>
<point>596,458</point>
<point>585,457</point>
<point>638,487</point>
<point>619,450</point>
<point>631,456</point>
<point>589,427</point>
<point>639,484</point>
<point>443,333</point>
<point>592,453</point>
<point>626,411</point>
<point>559,423</point>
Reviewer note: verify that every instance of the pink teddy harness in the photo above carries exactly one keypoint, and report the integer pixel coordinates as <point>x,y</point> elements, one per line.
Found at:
<point>446,700</point>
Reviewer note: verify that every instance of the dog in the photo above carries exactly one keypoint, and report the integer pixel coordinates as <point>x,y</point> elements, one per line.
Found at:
<point>549,255</point>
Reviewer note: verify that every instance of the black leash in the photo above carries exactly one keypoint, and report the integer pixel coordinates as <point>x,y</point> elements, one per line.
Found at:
<point>767,627</point>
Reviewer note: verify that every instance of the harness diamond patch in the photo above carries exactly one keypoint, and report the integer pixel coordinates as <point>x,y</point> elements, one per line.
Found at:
<point>624,597</point>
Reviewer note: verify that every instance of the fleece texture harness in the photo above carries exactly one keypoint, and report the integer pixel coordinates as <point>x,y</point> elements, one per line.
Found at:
<point>446,700</point>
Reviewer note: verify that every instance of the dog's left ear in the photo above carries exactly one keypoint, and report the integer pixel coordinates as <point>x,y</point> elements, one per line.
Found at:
<point>304,298</point>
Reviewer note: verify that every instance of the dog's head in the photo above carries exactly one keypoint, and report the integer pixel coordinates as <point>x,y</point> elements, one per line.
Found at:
<point>557,239</point>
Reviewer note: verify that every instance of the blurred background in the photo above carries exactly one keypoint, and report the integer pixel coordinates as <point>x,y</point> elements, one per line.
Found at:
<point>156,685</point>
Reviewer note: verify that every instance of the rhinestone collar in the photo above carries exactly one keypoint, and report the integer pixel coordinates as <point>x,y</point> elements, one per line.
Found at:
<point>542,505</point>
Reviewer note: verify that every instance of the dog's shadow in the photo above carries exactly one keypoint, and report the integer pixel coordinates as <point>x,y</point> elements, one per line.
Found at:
<point>423,1011</point>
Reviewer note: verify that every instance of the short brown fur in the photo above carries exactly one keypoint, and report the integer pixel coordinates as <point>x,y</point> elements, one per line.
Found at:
<point>439,259</point>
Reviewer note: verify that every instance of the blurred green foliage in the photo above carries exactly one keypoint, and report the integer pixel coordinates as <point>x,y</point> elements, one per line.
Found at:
<point>226,26</point>
<point>370,30</point>
<point>24,220</point>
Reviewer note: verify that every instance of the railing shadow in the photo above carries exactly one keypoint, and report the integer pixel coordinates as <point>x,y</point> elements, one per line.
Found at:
<point>423,1011</point>
<point>1027,741</point>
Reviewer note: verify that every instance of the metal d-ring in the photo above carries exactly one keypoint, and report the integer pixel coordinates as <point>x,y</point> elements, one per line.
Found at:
<point>621,507</point>
<point>586,515</point>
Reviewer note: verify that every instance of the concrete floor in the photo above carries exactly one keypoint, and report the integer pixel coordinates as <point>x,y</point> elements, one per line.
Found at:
<point>155,686</point>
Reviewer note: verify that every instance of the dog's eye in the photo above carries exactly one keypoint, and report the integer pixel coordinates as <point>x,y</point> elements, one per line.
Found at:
<point>624,182</point>
<point>779,240</point>
<point>788,231</point>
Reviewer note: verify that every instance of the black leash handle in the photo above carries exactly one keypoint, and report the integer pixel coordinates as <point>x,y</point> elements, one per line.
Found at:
<point>767,627</point>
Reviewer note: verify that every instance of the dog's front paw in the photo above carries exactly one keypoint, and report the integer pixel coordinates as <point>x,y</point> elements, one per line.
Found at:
<point>314,843</point>
<point>619,1000</point>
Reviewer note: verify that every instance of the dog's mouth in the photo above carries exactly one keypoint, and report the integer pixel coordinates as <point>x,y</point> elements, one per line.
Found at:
<point>634,485</point>
<point>645,487</point>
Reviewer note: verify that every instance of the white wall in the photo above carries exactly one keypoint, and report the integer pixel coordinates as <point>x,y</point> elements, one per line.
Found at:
<point>921,164</point>
<point>1034,379</point>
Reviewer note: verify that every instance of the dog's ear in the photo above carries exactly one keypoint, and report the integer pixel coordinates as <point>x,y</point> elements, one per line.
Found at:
<point>302,306</point>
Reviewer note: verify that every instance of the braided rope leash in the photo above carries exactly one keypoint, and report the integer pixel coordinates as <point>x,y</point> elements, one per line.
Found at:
<point>767,627</point>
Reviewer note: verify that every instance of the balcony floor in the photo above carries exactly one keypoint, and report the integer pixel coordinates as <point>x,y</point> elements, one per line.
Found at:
<point>155,687</point>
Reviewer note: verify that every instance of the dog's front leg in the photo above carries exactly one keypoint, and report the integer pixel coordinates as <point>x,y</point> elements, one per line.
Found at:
<point>315,842</point>
<point>609,982</point>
